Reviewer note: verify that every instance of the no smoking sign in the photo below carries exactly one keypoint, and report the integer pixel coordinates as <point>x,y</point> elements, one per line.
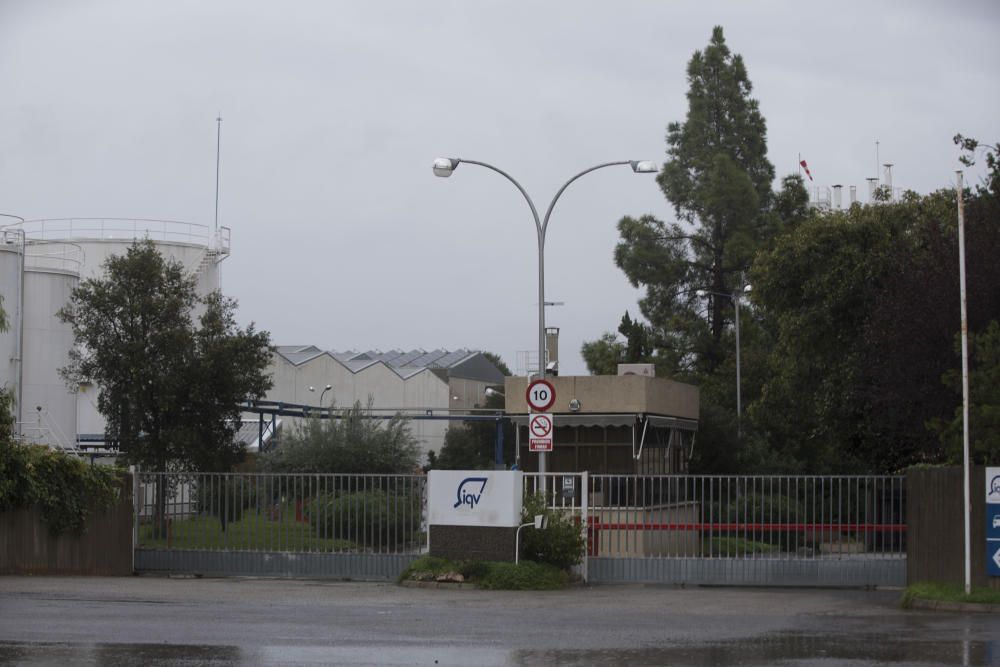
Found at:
<point>540,433</point>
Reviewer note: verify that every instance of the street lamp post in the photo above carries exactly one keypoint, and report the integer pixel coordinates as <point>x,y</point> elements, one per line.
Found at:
<point>322,393</point>
<point>736,296</point>
<point>445,167</point>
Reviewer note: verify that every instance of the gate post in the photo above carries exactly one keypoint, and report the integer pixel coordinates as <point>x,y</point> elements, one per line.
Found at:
<point>136,508</point>
<point>585,519</point>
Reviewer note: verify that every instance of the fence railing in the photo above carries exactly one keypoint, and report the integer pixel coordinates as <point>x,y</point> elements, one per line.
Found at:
<point>625,516</point>
<point>747,517</point>
<point>328,513</point>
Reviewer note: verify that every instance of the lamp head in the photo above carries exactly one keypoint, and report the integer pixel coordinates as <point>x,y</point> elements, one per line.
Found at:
<point>748,289</point>
<point>445,166</point>
<point>700,293</point>
<point>643,166</point>
<point>328,387</point>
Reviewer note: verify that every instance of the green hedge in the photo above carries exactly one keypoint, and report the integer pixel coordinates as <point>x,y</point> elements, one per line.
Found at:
<point>63,487</point>
<point>374,518</point>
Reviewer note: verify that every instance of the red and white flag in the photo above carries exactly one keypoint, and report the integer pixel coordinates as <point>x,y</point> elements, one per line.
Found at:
<point>806,167</point>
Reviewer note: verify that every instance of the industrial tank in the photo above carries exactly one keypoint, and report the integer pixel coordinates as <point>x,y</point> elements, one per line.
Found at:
<point>47,288</point>
<point>47,409</point>
<point>10,300</point>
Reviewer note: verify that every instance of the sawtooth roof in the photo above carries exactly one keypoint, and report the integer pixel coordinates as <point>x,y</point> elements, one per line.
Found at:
<point>470,364</point>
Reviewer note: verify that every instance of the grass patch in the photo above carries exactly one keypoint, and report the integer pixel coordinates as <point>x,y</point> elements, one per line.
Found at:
<point>253,532</point>
<point>926,590</point>
<point>525,576</point>
<point>736,546</point>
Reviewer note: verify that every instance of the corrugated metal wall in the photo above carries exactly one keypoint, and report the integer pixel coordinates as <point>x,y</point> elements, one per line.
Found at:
<point>104,549</point>
<point>936,527</point>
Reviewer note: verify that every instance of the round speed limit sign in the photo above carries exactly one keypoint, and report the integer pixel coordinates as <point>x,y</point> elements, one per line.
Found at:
<point>541,395</point>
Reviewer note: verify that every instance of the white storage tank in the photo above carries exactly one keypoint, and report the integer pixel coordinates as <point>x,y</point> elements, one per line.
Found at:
<point>10,291</point>
<point>47,410</point>
<point>47,288</point>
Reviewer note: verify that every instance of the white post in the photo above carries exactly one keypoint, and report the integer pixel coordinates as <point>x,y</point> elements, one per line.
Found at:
<point>739,406</point>
<point>584,519</point>
<point>965,391</point>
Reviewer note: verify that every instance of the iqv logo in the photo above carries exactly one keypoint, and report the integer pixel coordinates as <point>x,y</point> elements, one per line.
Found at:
<point>994,487</point>
<point>469,496</point>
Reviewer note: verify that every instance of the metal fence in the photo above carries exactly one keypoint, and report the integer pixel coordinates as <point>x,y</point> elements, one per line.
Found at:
<point>260,512</point>
<point>747,517</point>
<point>738,530</point>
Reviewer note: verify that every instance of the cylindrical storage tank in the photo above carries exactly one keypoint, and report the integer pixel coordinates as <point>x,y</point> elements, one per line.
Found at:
<point>10,300</point>
<point>196,247</point>
<point>47,410</point>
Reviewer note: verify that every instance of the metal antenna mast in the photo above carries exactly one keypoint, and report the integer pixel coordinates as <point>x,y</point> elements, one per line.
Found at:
<point>218,146</point>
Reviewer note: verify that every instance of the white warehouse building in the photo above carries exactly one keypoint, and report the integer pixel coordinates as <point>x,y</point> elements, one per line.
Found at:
<point>41,261</point>
<point>415,382</point>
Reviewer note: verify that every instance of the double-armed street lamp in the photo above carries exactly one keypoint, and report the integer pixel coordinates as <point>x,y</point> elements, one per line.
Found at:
<point>445,167</point>
<point>736,296</point>
<point>322,393</point>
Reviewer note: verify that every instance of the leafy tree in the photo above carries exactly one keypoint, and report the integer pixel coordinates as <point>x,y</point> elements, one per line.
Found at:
<point>718,178</point>
<point>972,146</point>
<point>169,390</point>
<point>472,445</point>
<point>230,369</point>
<point>814,288</point>
<point>603,355</point>
<point>984,401</point>
<point>863,307</point>
<point>353,443</point>
<point>499,363</point>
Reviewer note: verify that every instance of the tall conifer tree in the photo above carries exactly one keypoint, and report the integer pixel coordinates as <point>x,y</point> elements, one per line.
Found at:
<point>718,178</point>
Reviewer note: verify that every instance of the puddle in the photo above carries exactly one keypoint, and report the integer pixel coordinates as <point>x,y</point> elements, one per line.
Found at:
<point>786,650</point>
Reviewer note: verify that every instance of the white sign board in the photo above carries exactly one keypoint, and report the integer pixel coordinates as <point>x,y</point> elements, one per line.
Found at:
<point>474,498</point>
<point>993,522</point>
<point>540,428</point>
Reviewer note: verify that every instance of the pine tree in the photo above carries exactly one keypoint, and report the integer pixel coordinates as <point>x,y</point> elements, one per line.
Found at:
<point>718,178</point>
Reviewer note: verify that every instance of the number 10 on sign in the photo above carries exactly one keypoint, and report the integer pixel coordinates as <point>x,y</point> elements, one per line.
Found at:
<point>541,395</point>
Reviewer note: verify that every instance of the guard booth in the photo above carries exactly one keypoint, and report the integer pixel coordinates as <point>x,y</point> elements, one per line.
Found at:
<point>606,424</point>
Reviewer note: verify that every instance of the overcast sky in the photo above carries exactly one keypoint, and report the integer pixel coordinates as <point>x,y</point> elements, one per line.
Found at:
<point>334,111</point>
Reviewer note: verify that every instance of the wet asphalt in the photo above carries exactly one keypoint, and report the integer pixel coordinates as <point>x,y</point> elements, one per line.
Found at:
<point>161,621</point>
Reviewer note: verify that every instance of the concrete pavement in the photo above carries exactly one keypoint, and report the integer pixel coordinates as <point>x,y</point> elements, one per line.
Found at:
<point>44,620</point>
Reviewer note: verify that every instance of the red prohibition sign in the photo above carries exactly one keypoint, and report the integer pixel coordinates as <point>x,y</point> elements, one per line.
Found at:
<point>541,425</point>
<point>541,395</point>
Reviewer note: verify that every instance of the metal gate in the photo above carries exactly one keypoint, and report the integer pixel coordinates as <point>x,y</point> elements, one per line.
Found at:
<point>747,530</point>
<point>363,527</point>
<point>677,529</point>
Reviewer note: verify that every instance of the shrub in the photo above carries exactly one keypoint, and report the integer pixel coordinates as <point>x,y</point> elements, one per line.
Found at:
<point>375,518</point>
<point>62,487</point>
<point>355,442</point>
<point>561,545</point>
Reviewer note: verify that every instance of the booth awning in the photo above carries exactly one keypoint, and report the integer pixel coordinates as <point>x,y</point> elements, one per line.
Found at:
<point>619,419</point>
